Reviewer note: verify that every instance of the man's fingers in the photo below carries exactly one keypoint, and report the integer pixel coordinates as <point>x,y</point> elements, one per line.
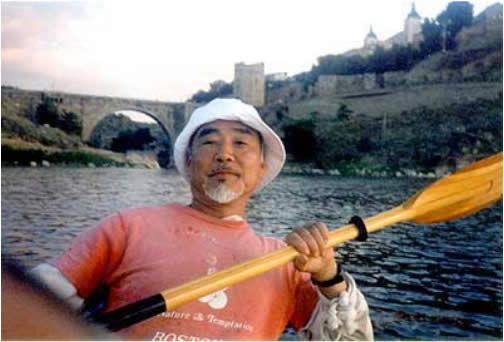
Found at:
<point>310,240</point>
<point>295,240</point>
<point>301,261</point>
<point>319,232</point>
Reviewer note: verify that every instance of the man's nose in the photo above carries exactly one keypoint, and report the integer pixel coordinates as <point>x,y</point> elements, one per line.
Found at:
<point>225,153</point>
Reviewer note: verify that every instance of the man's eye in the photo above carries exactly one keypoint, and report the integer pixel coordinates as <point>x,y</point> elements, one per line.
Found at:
<point>240,142</point>
<point>208,142</point>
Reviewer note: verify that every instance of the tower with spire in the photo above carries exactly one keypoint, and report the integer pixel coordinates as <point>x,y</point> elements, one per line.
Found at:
<point>411,34</point>
<point>371,40</point>
<point>412,25</point>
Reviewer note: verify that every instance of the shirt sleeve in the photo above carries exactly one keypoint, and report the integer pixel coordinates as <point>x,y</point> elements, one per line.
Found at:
<point>306,299</point>
<point>343,318</point>
<point>94,255</point>
<point>55,282</point>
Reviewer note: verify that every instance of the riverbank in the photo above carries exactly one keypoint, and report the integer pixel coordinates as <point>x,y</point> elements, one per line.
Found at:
<point>16,152</point>
<point>359,170</point>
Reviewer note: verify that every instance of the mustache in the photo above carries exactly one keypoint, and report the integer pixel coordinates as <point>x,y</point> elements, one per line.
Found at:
<point>223,169</point>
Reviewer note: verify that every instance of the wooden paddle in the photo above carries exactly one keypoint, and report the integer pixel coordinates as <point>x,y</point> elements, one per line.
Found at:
<point>458,195</point>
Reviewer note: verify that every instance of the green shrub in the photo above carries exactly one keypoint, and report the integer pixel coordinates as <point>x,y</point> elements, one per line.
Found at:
<point>71,123</point>
<point>425,138</point>
<point>131,140</point>
<point>300,140</point>
<point>23,157</point>
<point>47,112</point>
<point>218,88</point>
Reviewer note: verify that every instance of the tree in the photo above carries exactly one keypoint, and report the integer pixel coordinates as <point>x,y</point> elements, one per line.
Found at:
<point>356,64</point>
<point>299,139</point>
<point>165,153</point>
<point>131,140</point>
<point>457,15</point>
<point>71,123</point>
<point>403,56</point>
<point>378,60</point>
<point>47,112</point>
<point>308,78</point>
<point>432,42</point>
<point>221,87</point>
<point>218,88</point>
<point>343,112</point>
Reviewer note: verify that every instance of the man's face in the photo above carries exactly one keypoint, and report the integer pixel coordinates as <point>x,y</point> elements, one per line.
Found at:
<point>226,161</point>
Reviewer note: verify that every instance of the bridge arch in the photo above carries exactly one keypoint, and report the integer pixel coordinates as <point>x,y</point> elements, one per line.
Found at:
<point>155,117</point>
<point>171,117</point>
<point>164,139</point>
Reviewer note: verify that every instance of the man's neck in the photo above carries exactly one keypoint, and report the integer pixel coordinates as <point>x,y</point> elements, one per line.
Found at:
<point>219,210</point>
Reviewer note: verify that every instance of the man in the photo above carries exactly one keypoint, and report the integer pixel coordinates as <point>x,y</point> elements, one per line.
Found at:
<point>226,153</point>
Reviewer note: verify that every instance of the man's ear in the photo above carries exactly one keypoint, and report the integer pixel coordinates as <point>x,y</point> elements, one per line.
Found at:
<point>263,169</point>
<point>188,166</point>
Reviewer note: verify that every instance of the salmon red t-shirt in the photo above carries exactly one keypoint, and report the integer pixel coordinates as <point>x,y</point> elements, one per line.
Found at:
<point>140,252</point>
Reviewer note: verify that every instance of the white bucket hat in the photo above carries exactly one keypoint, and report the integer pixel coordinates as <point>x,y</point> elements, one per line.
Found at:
<point>232,110</point>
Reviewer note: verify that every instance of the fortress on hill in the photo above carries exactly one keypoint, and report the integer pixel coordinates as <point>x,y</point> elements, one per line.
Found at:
<point>412,34</point>
<point>249,79</point>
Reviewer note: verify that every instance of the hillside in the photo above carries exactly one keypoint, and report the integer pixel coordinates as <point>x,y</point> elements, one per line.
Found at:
<point>473,70</point>
<point>425,139</point>
<point>444,112</point>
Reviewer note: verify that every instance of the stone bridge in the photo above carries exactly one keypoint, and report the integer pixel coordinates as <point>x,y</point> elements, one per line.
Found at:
<point>171,116</point>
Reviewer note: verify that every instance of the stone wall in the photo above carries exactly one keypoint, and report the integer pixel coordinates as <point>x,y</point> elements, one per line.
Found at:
<point>249,83</point>
<point>190,107</point>
<point>288,92</point>
<point>377,103</point>
<point>328,85</point>
<point>429,72</point>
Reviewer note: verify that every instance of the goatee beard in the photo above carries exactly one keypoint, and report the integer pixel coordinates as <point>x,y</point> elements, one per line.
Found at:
<point>221,193</point>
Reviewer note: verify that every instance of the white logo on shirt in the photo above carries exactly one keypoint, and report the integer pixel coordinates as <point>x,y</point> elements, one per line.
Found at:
<point>219,299</point>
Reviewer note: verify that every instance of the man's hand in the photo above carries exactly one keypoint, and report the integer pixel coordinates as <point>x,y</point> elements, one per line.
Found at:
<point>310,241</point>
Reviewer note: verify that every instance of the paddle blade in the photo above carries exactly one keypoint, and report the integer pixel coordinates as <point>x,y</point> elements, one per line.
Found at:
<point>460,194</point>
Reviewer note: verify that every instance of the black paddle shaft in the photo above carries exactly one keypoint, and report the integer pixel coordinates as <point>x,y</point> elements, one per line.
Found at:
<point>132,313</point>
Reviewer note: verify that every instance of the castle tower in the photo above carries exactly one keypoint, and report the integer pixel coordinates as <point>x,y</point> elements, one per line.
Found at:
<point>248,84</point>
<point>371,40</point>
<point>412,25</point>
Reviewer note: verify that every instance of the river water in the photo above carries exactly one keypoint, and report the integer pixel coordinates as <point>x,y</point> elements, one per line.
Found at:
<point>436,282</point>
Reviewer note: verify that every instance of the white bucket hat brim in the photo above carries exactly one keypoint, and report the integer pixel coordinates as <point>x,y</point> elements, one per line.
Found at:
<point>232,110</point>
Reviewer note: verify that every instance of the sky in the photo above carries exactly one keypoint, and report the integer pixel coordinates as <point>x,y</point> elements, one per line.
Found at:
<point>168,50</point>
